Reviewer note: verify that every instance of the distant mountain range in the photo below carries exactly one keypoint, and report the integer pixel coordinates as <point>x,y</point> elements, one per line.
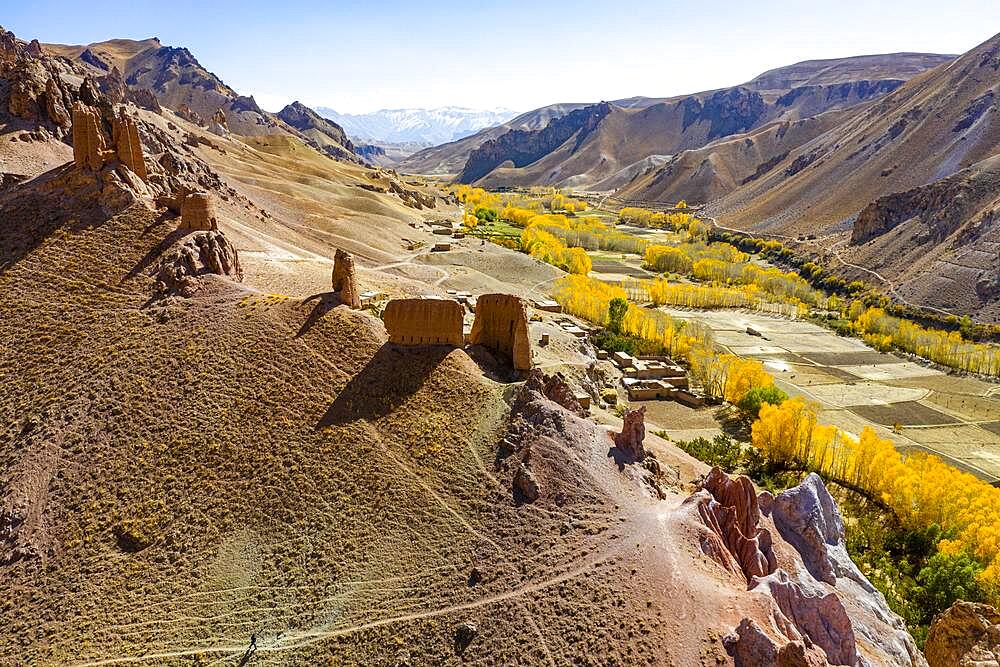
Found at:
<point>429,127</point>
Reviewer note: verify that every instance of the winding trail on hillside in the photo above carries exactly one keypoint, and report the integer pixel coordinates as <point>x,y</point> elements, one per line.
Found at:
<point>641,526</point>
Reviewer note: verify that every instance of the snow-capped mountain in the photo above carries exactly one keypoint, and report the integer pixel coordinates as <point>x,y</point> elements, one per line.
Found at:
<point>425,126</point>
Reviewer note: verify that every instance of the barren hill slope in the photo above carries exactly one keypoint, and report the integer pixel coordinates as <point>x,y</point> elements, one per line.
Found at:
<point>256,471</point>
<point>715,170</point>
<point>939,123</point>
<point>640,127</point>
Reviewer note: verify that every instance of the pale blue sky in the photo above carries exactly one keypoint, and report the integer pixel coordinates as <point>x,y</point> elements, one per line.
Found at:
<point>362,56</point>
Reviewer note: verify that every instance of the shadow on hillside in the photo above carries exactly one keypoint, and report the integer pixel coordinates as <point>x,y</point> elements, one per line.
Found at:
<point>389,378</point>
<point>30,213</point>
<point>172,237</point>
<point>325,302</point>
<point>620,457</point>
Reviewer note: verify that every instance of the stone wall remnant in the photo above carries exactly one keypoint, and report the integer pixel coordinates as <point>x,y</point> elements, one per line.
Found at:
<point>345,280</point>
<point>424,322</point>
<point>198,213</point>
<point>91,148</point>
<point>501,325</point>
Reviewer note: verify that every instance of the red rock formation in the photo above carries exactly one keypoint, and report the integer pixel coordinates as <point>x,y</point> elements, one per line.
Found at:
<point>345,280</point>
<point>633,433</point>
<point>556,389</point>
<point>198,212</point>
<point>424,322</point>
<point>127,144</point>
<point>750,646</point>
<point>501,324</point>
<point>811,613</point>
<point>730,510</point>
<point>965,635</point>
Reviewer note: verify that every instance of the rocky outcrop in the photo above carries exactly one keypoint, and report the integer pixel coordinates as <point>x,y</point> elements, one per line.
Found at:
<point>726,112</point>
<point>633,433</point>
<point>775,544</point>
<point>807,518</point>
<point>556,389</point>
<point>805,612</point>
<point>388,181</point>
<point>424,322</point>
<point>219,125</point>
<point>525,483</point>
<point>190,115</point>
<point>183,269</point>
<point>967,634</point>
<point>34,90</point>
<point>941,207</point>
<point>369,152</point>
<point>737,541</point>
<point>144,99</point>
<point>323,132</point>
<point>751,646</point>
<point>501,325</point>
<point>522,147</point>
<point>198,213</point>
<point>345,279</point>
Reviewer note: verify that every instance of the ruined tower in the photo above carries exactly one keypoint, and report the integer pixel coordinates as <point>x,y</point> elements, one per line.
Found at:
<point>502,325</point>
<point>345,281</point>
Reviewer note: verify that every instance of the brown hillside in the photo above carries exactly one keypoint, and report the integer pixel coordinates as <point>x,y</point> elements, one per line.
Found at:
<point>674,124</point>
<point>938,123</point>
<point>708,173</point>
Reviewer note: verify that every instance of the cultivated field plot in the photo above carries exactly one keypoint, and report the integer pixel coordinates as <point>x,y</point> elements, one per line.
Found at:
<point>603,268</point>
<point>861,358</point>
<point>865,394</point>
<point>907,413</point>
<point>858,387</point>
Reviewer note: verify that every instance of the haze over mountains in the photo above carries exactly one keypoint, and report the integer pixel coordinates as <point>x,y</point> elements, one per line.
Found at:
<point>427,127</point>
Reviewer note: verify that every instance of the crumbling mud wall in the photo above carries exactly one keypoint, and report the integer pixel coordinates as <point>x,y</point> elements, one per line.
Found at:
<point>91,148</point>
<point>127,145</point>
<point>424,322</point>
<point>198,213</point>
<point>502,325</point>
<point>345,280</point>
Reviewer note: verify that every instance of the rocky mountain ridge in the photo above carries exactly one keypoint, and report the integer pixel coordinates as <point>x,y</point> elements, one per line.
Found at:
<point>825,85</point>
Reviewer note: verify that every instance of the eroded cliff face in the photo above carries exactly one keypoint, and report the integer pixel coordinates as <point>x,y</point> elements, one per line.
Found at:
<point>726,112</point>
<point>941,207</point>
<point>790,549</point>
<point>522,147</point>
